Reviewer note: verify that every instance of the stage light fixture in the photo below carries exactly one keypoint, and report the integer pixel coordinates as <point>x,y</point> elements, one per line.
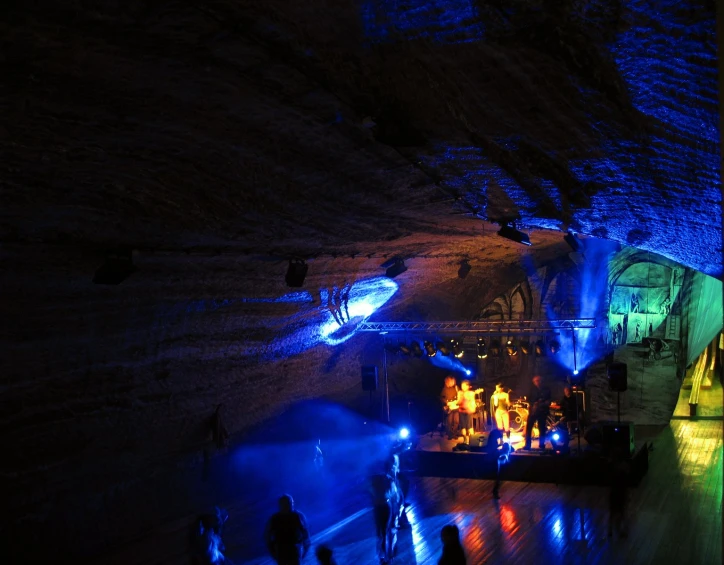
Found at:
<point>511,348</point>
<point>430,349</point>
<point>495,348</point>
<point>468,372</point>
<point>443,348</point>
<point>416,350</point>
<point>457,348</point>
<point>117,267</point>
<point>559,438</point>
<point>509,231</point>
<point>525,347</point>
<point>394,267</point>
<point>404,349</point>
<point>482,349</point>
<point>404,433</point>
<point>540,348</point>
<point>554,347</point>
<point>296,272</point>
<point>574,243</point>
<point>464,269</point>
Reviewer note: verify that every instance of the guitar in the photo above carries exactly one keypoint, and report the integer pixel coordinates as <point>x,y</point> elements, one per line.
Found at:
<point>451,405</point>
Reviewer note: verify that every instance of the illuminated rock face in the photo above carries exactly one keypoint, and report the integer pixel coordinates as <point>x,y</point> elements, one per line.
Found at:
<point>219,143</point>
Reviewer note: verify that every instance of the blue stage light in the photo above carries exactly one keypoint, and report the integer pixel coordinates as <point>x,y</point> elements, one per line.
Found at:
<point>404,433</point>
<point>556,437</point>
<point>575,371</point>
<point>468,372</point>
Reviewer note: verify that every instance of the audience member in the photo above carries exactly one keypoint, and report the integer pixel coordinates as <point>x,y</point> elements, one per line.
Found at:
<point>452,550</point>
<point>324,555</point>
<point>387,504</point>
<point>287,535</point>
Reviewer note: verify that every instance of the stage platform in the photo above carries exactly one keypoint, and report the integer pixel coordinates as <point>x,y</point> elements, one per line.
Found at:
<point>436,456</point>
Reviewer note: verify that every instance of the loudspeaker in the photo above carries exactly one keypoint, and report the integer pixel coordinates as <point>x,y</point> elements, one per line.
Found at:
<point>618,436</point>
<point>369,378</point>
<point>618,377</point>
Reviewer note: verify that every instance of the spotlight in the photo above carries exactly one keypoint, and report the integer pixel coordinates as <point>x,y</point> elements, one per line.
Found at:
<point>509,231</point>
<point>443,348</point>
<point>574,243</point>
<point>404,433</point>
<point>554,347</point>
<point>495,348</point>
<point>510,348</point>
<point>482,348</point>
<point>575,371</point>
<point>525,347</point>
<point>468,372</point>
<point>457,348</point>
<point>117,267</point>
<point>394,267</point>
<point>429,349</point>
<point>540,348</point>
<point>416,351</point>
<point>560,439</point>
<point>296,273</point>
<point>404,349</point>
<point>464,269</point>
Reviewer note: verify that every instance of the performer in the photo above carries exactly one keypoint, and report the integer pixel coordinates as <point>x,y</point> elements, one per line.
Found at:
<point>540,399</point>
<point>568,408</point>
<point>386,507</point>
<point>449,397</point>
<point>466,401</point>
<point>501,404</point>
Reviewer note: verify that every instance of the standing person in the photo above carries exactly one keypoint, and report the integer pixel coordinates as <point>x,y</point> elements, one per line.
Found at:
<point>501,404</point>
<point>502,450</point>
<point>449,397</point>
<point>452,550</point>
<point>569,409</point>
<point>540,399</point>
<point>287,535</point>
<point>468,407</point>
<point>386,508</point>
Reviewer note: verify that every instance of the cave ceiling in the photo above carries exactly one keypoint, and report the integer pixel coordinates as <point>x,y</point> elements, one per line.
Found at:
<point>360,128</point>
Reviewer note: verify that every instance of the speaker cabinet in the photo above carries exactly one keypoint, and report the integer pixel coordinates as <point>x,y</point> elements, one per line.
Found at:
<point>369,378</point>
<point>618,436</point>
<point>618,377</point>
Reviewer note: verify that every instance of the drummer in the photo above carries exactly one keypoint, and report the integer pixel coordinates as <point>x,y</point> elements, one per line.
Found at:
<point>501,405</point>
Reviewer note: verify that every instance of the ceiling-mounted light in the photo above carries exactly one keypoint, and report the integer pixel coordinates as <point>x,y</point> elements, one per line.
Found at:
<point>443,348</point>
<point>525,347</point>
<point>554,347</point>
<point>482,348</point>
<point>540,348</point>
<point>404,349</point>
<point>457,348</point>
<point>430,349</point>
<point>416,351</point>
<point>494,348</point>
<point>296,272</point>
<point>464,269</point>
<point>511,348</point>
<point>509,231</point>
<point>394,266</point>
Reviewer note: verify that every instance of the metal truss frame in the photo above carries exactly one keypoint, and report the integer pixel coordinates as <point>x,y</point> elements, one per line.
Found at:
<point>495,327</point>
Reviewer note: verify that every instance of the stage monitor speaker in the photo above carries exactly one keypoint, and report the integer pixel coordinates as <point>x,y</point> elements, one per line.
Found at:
<point>369,378</point>
<point>618,377</point>
<point>618,436</point>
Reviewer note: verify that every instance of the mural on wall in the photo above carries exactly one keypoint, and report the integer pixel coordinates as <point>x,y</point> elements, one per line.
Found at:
<point>636,299</point>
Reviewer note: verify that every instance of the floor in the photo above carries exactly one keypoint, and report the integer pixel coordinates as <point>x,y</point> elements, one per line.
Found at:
<point>676,515</point>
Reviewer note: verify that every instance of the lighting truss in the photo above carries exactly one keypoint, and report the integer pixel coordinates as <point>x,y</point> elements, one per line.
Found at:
<point>496,327</point>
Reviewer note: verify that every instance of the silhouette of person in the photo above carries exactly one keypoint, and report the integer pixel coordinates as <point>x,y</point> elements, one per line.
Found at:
<point>637,335</point>
<point>324,555</point>
<point>386,508</point>
<point>634,302</point>
<point>503,449</point>
<point>452,550</point>
<point>287,534</point>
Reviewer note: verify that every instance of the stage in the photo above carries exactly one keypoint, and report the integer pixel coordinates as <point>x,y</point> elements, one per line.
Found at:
<point>434,456</point>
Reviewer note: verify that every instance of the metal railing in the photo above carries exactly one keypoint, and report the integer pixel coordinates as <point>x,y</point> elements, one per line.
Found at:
<point>496,327</point>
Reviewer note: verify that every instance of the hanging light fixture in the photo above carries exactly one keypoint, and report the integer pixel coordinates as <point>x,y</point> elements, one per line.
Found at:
<point>457,348</point>
<point>416,350</point>
<point>443,348</point>
<point>511,348</point>
<point>429,349</point>
<point>482,348</point>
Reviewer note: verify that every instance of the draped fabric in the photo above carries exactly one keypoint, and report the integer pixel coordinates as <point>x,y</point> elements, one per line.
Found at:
<point>705,314</point>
